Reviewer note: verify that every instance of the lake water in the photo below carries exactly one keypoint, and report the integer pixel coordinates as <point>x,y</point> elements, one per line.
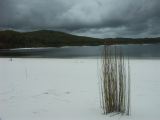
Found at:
<point>133,51</point>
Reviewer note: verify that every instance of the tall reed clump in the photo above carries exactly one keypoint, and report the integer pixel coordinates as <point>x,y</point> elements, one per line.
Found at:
<point>115,82</point>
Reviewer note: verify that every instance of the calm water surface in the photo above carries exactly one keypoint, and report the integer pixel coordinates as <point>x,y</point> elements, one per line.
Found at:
<point>134,51</point>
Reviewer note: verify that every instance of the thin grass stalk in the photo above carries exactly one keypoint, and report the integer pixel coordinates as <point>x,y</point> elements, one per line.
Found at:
<point>129,90</point>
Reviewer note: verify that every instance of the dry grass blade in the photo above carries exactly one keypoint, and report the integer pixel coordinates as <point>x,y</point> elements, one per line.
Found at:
<point>115,82</point>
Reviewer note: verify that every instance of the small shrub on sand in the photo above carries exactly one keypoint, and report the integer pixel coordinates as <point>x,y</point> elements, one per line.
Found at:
<point>115,82</point>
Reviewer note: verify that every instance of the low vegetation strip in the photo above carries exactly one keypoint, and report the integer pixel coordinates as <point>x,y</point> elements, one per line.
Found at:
<point>45,38</point>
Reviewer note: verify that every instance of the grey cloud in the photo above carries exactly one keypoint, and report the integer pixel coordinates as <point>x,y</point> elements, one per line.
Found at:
<point>101,18</point>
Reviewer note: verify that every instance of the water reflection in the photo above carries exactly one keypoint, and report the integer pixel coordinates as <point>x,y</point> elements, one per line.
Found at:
<point>135,51</point>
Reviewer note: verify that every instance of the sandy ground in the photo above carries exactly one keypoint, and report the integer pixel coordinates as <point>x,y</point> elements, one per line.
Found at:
<point>68,89</point>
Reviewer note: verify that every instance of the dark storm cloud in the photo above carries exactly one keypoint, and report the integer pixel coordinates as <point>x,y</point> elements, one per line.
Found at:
<point>6,12</point>
<point>96,18</point>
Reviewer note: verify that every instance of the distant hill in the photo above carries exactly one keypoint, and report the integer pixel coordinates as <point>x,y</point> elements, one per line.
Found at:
<point>46,38</point>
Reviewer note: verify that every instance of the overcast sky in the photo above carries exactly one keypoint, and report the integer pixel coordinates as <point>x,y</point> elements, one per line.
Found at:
<point>95,18</point>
